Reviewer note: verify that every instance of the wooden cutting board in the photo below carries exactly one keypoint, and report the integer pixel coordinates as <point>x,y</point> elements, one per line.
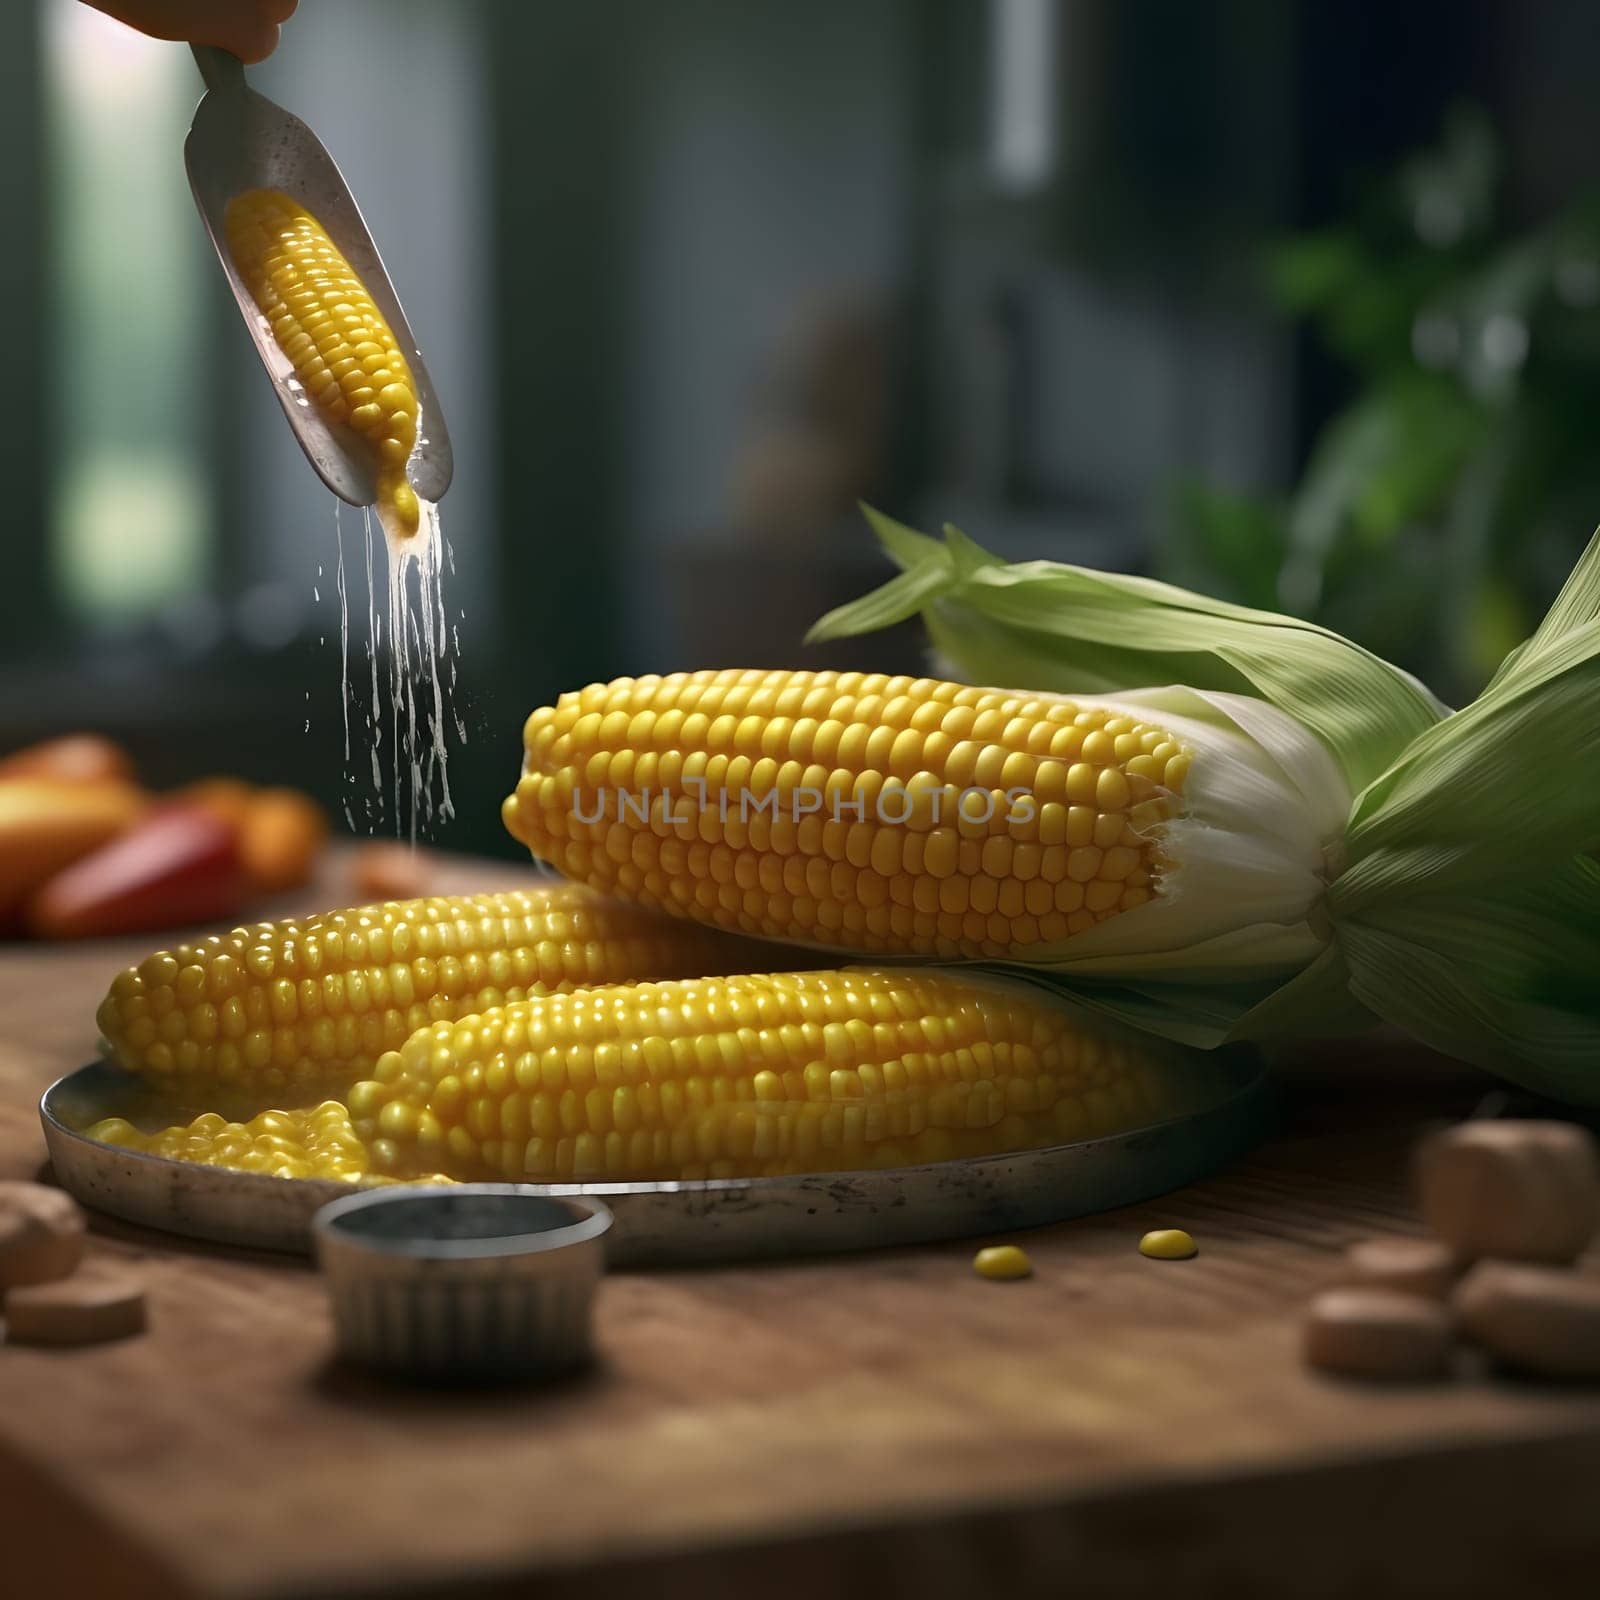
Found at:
<point>870,1425</point>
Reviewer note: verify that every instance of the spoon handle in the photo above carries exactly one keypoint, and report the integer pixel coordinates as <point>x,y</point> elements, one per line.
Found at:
<point>224,73</point>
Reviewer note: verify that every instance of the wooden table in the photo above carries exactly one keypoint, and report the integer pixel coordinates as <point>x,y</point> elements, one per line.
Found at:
<point>881,1424</point>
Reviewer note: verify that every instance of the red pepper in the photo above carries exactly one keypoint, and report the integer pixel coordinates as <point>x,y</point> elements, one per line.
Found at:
<point>178,867</point>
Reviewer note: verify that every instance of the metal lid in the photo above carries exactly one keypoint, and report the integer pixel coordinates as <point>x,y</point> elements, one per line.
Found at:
<point>461,1222</point>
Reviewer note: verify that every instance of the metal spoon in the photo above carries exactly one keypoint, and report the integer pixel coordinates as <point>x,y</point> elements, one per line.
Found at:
<point>241,140</point>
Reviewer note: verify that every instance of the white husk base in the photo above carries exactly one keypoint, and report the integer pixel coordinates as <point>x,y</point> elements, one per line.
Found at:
<point>1264,812</point>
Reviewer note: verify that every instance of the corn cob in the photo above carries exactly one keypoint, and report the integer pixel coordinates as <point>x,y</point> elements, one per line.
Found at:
<point>757,1075</point>
<point>325,322</point>
<point>877,814</point>
<point>310,1142</point>
<point>313,1002</point>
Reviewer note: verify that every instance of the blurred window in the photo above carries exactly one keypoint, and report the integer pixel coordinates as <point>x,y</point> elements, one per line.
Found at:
<point>127,321</point>
<point>1022,102</point>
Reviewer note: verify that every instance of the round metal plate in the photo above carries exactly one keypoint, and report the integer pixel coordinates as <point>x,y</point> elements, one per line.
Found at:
<point>665,1223</point>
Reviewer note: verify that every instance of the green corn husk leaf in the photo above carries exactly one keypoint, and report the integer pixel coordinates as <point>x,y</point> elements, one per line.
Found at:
<point>1315,1003</point>
<point>1043,625</point>
<point>1577,605</point>
<point>1506,979</point>
<point>1508,785</point>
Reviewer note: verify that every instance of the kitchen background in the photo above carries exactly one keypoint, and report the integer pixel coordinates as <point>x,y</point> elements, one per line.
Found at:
<point>1298,302</point>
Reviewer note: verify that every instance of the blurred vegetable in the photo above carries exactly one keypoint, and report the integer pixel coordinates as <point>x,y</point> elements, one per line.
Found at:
<point>76,757</point>
<point>281,831</point>
<point>179,866</point>
<point>66,806</point>
<point>279,840</point>
<point>227,798</point>
<point>389,870</point>
<point>48,823</point>
<point>1440,508</point>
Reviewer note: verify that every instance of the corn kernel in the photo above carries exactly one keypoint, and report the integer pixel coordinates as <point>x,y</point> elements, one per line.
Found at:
<point>1001,1262</point>
<point>1168,1244</point>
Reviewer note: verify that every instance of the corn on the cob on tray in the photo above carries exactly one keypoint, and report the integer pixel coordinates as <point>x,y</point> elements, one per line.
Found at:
<point>760,1075</point>
<point>326,323</point>
<point>312,1003</point>
<point>879,814</point>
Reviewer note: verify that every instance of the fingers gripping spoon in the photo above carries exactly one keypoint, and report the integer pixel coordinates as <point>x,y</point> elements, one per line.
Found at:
<point>241,141</point>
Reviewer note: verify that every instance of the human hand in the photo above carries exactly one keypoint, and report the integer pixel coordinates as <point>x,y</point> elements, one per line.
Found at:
<point>245,28</point>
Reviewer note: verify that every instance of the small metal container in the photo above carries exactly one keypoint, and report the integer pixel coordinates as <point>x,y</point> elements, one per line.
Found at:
<point>466,1283</point>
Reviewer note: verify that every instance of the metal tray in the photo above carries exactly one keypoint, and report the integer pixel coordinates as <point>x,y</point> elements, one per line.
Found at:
<point>672,1223</point>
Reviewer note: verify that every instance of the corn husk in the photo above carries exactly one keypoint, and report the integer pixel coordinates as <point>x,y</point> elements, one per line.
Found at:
<point>1458,895</point>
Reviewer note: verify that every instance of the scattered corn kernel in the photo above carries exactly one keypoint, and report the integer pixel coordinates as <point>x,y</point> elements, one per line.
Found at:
<point>1001,1261</point>
<point>1168,1244</point>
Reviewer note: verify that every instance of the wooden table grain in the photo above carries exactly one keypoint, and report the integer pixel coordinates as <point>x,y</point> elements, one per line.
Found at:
<point>873,1425</point>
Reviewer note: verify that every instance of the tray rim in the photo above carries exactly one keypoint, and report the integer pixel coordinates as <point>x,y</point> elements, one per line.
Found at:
<point>1239,1116</point>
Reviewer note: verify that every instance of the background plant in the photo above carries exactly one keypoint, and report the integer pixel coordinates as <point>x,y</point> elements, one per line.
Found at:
<point>1440,508</point>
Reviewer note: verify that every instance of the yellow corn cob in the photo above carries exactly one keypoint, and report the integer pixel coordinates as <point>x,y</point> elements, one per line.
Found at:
<point>757,1075</point>
<point>325,322</point>
<point>315,1001</point>
<point>947,821</point>
<point>311,1142</point>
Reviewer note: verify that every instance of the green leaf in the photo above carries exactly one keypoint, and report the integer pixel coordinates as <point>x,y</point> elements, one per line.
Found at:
<point>1044,625</point>
<point>1352,449</point>
<point>906,545</point>
<point>1506,982</point>
<point>967,555</point>
<point>901,597</point>
<point>1193,1014</point>
<point>1504,978</point>
<point>1309,270</point>
<point>1577,604</point>
<point>1504,785</point>
<point>1387,460</point>
<point>1314,1003</point>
